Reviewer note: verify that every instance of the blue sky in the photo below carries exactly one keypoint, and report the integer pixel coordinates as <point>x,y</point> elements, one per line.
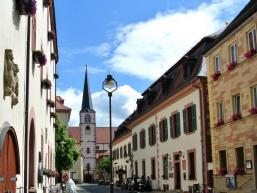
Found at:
<point>135,40</point>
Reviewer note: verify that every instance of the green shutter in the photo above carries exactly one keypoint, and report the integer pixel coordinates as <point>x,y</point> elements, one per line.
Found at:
<point>149,136</point>
<point>185,120</point>
<point>194,127</point>
<point>178,124</point>
<point>165,129</point>
<point>171,127</point>
<point>144,138</point>
<point>160,131</point>
<point>154,135</point>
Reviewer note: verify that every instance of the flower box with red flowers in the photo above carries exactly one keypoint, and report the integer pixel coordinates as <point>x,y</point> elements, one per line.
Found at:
<point>219,123</point>
<point>53,56</point>
<point>239,171</point>
<point>50,103</point>
<point>39,57</point>
<point>31,7</point>
<point>215,76</point>
<point>46,84</point>
<point>231,65</point>
<point>236,116</point>
<point>250,53</point>
<point>253,111</point>
<point>51,35</point>
<point>222,171</point>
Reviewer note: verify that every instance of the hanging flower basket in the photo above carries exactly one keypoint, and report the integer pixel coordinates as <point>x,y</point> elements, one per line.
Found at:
<point>236,116</point>
<point>51,35</point>
<point>222,172</point>
<point>53,114</point>
<point>31,7</point>
<point>231,66</point>
<point>253,111</point>
<point>215,76</point>
<point>50,103</point>
<point>39,57</point>
<point>53,56</point>
<point>47,3</point>
<point>250,53</point>
<point>239,171</point>
<point>56,76</point>
<point>219,123</point>
<point>46,84</point>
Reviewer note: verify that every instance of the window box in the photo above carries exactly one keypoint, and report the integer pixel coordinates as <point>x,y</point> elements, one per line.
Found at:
<point>250,53</point>
<point>39,57</point>
<point>51,35</point>
<point>215,76</point>
<point>47,3</point>
<point>31,7</point>
<point>231,66</point>
<point>236,116</point>
<point>222,171</point>
<point>219,123</point>
<point>50,103</point>
<point>253,111</point>
<point>46,84</point>
<point>239,171</point>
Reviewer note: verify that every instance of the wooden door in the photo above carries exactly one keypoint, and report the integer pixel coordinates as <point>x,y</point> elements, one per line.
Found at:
<point>8,166</point>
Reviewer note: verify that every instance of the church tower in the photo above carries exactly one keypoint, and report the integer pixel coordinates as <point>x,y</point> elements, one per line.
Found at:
<point>88,133</point>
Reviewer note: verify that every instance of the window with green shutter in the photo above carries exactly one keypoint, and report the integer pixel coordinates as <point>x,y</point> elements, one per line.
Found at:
<point>165,122</point>
<point>163,128</point>
<point>185,123</point>
<point>171,127</point>
<point>189,119</point>
<point>194,126</point>
<point>177,124</point>
<point>152,135</point>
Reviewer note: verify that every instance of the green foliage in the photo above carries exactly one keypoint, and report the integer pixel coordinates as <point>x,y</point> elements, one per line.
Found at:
<point>105,164</point>
<point>65,148</point>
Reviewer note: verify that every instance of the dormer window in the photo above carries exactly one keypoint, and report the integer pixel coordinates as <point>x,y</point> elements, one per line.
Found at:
<point>87,118</point>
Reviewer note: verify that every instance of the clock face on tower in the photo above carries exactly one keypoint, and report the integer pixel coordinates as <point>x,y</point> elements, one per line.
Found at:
<point>87,118</point>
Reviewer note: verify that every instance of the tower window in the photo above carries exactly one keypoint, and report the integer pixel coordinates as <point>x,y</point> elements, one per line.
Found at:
<point>87,118</point>
<point>88,150</point>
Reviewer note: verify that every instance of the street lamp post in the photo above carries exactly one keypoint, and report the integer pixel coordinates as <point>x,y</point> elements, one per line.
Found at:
<point>110,85</point>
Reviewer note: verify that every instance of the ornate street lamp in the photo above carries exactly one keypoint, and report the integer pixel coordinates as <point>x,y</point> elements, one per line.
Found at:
<point>110,85</point>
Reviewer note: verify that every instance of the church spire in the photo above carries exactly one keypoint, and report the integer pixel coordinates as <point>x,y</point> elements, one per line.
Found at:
<point>86,101</point>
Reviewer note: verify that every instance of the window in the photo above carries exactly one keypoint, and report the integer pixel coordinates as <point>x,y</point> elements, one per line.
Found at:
<point>117,153</point>
<point>189,119</point>
<point>121,153</point>
<point>87,118</point>
<point>217,66</point>
<point>125,151</point>
<point>236,104</point>
<point>114,155</point>
<point>233,53</point>
<point>88,166</point>
<point>252,39</point>
<point>87,130</point>
<point>191,165</point>
<point>165,167</point>
<point>143,167</point>
<point>163,130</point>
<point>129,149</point>
<point>136,169</point>
<point>223,160</point>
<point>135,142</point>
<point>220,111</point>
<point>142,139</point>
<point>152,135</point>
<point>88,150</point>
<point>240,157</point>
<point>153,174</point>
<point>254,96</point>
<point>175,125</point>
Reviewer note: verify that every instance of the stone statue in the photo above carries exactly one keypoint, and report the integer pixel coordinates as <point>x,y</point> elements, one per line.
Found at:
<point>11,82</point>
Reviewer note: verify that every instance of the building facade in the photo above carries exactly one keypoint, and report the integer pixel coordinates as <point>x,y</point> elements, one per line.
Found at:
<point>170,129</point>
<point>232,85</point>
<point>28,55</point>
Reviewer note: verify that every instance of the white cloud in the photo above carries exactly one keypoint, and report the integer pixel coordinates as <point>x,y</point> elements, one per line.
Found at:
<point>123,104</point>
<point>158,43</point>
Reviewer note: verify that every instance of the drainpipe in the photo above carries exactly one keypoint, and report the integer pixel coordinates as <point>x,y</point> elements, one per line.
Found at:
<point>27,107</point>
<point>204,127</point>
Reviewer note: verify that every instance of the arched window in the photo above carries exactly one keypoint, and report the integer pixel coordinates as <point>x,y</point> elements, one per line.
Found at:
<point>87,118</point>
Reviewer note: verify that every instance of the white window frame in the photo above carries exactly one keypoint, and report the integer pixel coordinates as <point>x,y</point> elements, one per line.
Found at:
<point>254,95</point>
<point>217,64</point>
<point>252,43</point>
<point>220,111</point>
<point>233,52</point>
<point>236,106</point>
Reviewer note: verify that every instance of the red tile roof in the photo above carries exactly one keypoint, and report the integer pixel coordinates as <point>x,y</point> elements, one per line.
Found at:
<point>74,132</point>
<point>60,107</point>
<point>103,134</point>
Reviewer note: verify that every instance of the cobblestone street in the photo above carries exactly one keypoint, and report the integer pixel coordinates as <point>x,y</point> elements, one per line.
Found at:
<point>95,188</point>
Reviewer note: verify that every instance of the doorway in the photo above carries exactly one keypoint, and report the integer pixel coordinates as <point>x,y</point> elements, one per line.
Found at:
<point>177,172</point>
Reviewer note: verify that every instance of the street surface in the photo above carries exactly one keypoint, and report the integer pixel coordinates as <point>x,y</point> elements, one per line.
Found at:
<point>95,188</point>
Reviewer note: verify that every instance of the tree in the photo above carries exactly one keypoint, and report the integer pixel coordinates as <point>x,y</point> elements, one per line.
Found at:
<point>105,164</point>
<point>65,148</point>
